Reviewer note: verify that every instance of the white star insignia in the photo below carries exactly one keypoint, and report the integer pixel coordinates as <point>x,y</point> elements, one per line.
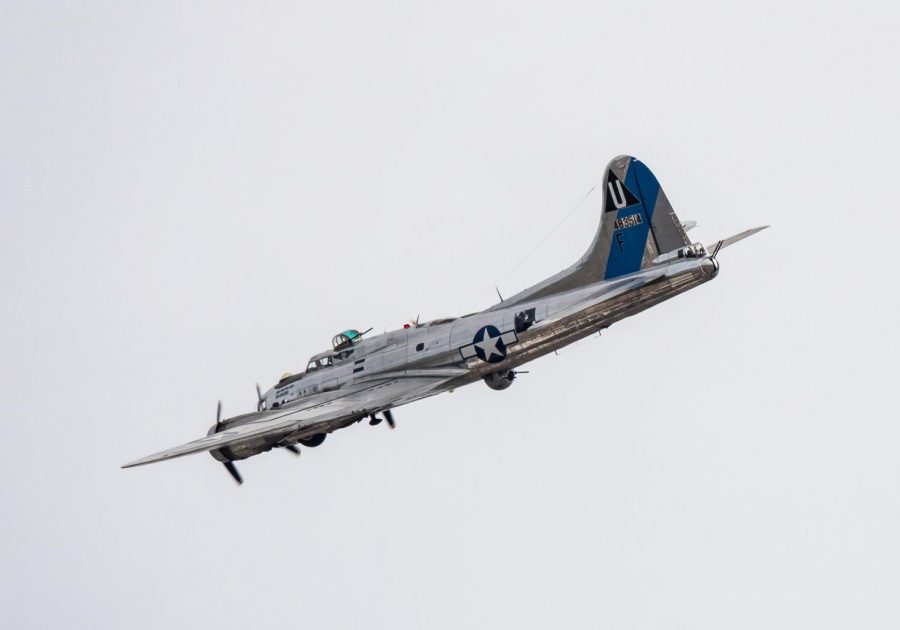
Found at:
<point>488,345</point>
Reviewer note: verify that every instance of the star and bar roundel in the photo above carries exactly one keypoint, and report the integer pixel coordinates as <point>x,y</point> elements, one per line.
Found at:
<point>489,344</point>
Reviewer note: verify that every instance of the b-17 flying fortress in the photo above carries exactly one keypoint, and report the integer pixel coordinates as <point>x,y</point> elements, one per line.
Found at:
<point>640,256</point>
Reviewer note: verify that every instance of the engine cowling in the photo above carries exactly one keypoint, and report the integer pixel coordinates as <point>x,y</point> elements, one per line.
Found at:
<point>242,450</point>
<point>313,440</point>
<point>500,380</point>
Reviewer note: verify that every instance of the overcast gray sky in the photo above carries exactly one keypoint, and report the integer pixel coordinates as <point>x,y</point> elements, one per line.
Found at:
<point>197,196</point>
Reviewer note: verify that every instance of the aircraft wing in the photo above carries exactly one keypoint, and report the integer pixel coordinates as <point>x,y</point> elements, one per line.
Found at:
<point>319,413</point>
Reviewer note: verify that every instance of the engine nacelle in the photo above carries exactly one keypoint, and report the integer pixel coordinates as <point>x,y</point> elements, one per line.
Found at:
<point>242,450</point>
<point>500,380</point>
<point>313,440</point>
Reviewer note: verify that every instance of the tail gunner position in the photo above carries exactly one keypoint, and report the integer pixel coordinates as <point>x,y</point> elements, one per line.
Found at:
<point>640,256</point>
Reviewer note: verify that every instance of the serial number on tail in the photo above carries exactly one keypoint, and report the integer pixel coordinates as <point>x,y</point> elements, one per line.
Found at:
<point>630,221</point>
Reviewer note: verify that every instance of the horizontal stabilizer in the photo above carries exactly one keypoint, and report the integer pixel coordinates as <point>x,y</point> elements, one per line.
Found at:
<point>731,240</point>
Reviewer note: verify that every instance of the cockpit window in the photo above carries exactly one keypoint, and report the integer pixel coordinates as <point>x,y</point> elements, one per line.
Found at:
<point>319,364</point>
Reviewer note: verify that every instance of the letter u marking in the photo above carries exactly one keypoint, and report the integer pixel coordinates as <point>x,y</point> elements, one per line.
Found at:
<point>618,197</point>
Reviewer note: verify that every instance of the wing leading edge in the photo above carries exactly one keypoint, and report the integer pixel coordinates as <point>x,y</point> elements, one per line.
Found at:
<point>321,414</point>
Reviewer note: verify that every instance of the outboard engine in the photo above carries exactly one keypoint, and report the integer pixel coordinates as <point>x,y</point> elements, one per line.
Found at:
<point>243,451</point>
<point>500,380</point>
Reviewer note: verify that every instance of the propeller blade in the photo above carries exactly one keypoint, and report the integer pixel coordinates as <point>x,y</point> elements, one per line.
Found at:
<point>716,250</point>
<point>259,398</point>
<point>293,449</point>
<point>232,469</point>
<point>389,417</point>
<point>219,413</point>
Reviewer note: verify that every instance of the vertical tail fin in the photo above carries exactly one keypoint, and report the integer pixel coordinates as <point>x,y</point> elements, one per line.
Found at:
<point>637,221</point>
<point>637,224</point>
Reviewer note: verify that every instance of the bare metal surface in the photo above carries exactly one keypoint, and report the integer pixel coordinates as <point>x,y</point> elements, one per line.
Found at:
<point>379,372</point>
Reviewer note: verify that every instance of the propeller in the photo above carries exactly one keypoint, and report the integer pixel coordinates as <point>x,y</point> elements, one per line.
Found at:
<point>716,250</point>
<point>229,466</point>
<point>259,398</point>
<point>293,448</point>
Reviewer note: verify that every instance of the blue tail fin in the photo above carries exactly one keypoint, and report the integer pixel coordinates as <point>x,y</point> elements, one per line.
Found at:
<point>638,222</point>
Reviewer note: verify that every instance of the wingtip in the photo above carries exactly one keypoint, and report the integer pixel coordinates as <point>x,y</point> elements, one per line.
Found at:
<point>150,459</point>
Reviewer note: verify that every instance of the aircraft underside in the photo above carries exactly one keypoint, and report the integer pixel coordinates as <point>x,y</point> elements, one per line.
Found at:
<point>543,340</point>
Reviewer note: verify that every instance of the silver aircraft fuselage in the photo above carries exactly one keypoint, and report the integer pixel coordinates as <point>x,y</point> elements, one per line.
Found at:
<point>448,347</point>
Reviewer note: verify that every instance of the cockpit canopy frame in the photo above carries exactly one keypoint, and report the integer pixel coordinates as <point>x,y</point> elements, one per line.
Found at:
<point>319,363</point>
<point>346,339</point>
